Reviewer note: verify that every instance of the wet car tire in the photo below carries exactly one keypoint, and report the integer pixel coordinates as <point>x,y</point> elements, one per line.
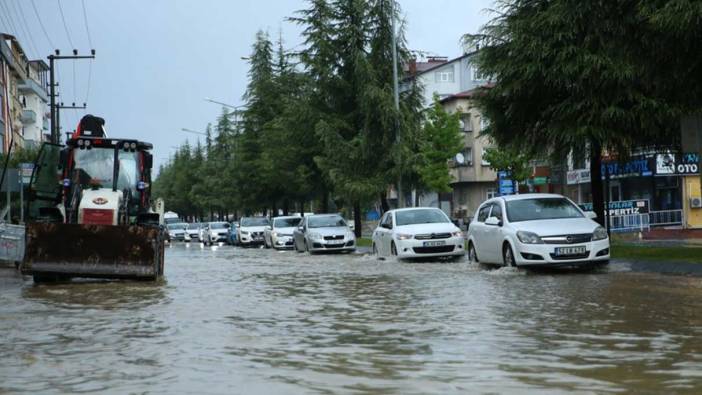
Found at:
<point>508,256</point>
<point>472,255</point>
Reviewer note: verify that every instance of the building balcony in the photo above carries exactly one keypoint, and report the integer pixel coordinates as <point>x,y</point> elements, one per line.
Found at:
<point>29,86</point>
<point>28,117</point>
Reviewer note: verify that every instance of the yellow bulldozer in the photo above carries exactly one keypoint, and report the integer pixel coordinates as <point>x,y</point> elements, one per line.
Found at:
<point>89,210</point>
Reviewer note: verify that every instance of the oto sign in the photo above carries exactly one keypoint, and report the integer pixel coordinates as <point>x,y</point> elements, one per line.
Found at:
<point>670,164</point>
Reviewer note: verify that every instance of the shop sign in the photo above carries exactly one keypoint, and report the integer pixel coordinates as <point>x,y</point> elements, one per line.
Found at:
<point>539,181</point>
<point>625,207</point>
<point>26,170</point>
<point>669,164</point>
<point>635,167</point>
<point>505,184</point>
<point>578,176</point>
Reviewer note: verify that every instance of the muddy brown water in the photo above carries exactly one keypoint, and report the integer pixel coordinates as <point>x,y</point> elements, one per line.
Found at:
<point>228,320</point>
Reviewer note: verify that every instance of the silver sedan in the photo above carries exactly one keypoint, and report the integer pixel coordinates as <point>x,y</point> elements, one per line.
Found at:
<point>324,233</point>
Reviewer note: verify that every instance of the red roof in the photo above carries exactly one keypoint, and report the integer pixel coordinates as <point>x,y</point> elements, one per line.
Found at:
<point>466,94</point>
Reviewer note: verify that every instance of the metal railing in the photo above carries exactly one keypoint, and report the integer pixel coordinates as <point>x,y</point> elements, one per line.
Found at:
<point>629,223</point>
<point>666,217</point>
<point>11,243</point>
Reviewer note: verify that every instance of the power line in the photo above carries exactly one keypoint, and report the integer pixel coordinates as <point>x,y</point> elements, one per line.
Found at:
<point>85,19</point>
<point>90,42</point>
<point>29,31</point>
<point>42,25</point>
<point>11,23</point>
<point>65,26</point>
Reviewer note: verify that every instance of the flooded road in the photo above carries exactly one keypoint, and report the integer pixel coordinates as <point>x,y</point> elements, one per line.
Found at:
<point>230,320</point>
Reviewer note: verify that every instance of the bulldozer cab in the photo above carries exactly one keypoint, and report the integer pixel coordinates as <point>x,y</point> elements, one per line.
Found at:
<point>63,174</point>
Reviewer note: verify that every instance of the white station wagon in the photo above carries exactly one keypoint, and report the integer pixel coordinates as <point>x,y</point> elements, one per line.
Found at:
<point>536,230</point>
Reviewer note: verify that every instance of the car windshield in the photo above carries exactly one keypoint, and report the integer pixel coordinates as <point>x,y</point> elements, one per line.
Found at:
<point>254,221</point>
<point>286,222</point>
<point>218,225</point>
<point>194,226</point>
<point>411,217</point>
<point>177,226</point>
<point>326,222</point>
<point>541,208</point>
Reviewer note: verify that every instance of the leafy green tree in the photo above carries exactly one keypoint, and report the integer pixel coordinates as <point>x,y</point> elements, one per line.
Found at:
<point>516,163</point>
<point>442,140</point>
<point>570,75</point>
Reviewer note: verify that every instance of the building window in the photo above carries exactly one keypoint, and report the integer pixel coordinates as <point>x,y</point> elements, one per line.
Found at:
<point>477,75</point>
<point>482,158</point>
<point>466,123</point>
<point>491,193</point>
<point>468,156</point>
<point>484,123</point>
<point>444,76</point>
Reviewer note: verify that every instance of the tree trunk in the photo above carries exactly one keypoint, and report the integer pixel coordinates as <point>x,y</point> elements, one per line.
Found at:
<point>286,207</point>
<point>357,219</point>
<point>596,181</point>
<point>416,198</point>
<point>325,201</point>
<point>301,205</point>
<point>384,203</point>
<point>274,211</point>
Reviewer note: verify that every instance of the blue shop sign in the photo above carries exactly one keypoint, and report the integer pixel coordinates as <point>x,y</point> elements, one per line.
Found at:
<point>635,167</point>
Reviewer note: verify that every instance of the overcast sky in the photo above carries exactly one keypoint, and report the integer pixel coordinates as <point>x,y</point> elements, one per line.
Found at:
<point>157,59</point>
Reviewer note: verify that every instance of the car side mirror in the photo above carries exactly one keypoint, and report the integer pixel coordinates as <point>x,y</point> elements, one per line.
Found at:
<point>493,221</point>
<point>301,228</point>
<point>591,214</point>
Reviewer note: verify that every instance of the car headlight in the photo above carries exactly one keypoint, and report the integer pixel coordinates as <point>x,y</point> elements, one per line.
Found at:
<point>243,232</point>
<point>315,236</point>
<point>350,235</point>
<point>528,237</point>
<point>274,234</point>
<point>403,236</point>
<point>457,234</point>
<point>600,233</point>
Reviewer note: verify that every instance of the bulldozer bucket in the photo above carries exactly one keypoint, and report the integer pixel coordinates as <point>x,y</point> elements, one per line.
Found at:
<point>57,250</point>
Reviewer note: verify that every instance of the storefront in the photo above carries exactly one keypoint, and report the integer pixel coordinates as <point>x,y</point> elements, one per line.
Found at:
<point>652,177</point>
<point>686,169</point>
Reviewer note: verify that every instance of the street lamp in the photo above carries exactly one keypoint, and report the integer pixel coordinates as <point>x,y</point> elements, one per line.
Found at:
<point>237,109</point>
<point>193,131</point>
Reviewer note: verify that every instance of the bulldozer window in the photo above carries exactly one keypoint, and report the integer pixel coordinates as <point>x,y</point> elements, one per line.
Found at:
<point>128,171</point>
<point>98,163</point>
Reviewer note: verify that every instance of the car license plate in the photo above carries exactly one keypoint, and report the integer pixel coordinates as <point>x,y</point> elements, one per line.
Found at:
<point>563,251</point>
<point>434,243</point>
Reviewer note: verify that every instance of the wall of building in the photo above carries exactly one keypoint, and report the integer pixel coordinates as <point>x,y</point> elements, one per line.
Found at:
<point>691,188</point>
<point>468,196</point>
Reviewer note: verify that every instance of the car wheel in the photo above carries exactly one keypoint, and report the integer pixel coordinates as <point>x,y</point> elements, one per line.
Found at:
<point>472,255</point>
<point>508,256</point>
<point>393,249</point>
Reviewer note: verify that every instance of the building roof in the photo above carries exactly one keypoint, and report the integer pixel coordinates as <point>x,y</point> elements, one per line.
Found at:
<point>425,67</point>
<point>469,94</point>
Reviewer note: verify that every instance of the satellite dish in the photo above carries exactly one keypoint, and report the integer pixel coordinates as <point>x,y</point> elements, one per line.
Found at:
<point>460,159</point>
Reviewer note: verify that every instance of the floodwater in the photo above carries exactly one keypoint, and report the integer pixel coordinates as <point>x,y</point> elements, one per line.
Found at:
<point>251,321</point>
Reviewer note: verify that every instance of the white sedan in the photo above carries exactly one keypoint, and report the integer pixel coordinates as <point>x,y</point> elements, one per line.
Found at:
<point>536,230</point>
<point>417,233</point>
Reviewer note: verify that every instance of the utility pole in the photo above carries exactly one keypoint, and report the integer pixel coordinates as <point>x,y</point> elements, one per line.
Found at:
<point>55,129</point>
<point>60,107</point>
<point>400,195</point>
